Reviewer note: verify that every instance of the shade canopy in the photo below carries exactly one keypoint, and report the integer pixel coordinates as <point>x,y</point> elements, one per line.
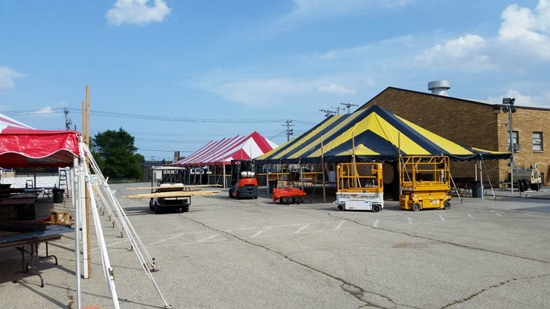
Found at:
<point>223,151</point>
<point>23,146</point>
<point>373,134</point>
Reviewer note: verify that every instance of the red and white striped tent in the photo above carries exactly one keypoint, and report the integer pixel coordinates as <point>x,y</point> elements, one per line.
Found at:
<point>24,146</point>
<point>223,151</point>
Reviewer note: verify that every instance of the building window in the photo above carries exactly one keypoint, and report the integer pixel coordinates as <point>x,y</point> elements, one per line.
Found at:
<point>537,141</point>
<point>515,141</point>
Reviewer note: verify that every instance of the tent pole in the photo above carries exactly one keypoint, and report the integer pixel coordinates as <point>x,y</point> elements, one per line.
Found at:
<point>324,170</point>
<point>481,178</point>
<point>77,205</point>
<point>399,163</point>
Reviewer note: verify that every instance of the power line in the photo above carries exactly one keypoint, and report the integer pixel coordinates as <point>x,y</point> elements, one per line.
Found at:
<point>147,117</point>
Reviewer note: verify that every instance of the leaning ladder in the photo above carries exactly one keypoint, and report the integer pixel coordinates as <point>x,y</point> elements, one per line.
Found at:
<point>108,200</point>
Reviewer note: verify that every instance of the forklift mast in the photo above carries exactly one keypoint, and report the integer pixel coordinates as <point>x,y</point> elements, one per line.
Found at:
<point>239,166</point>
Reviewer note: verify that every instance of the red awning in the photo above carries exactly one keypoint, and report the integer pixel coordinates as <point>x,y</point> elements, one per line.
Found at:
<point>24,146</point>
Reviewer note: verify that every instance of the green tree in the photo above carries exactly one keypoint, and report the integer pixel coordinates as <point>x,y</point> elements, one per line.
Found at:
<point>115,154</point>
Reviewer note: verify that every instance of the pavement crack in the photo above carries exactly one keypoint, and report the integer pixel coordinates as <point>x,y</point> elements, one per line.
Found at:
<point>370,299</point>
<point>467,298</point>
<point>442,241</point>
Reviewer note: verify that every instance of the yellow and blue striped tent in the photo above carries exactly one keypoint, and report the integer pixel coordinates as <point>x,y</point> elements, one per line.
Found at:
<point>373,134</point>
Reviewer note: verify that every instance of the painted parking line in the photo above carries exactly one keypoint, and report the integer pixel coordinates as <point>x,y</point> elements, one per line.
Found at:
<point>207,238</point>
<point>496,213</point>
<point>212,238</point>
<point>376,223</point>
<point>339,225</point>
<point>470,216</point>
<point>301,229</point>
<point>165,239</point>
<point>410,220</point>
<point>441,217</point>
<point>266,229</point>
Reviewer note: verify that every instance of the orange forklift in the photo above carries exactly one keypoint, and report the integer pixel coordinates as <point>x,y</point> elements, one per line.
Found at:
<point>243,180</point>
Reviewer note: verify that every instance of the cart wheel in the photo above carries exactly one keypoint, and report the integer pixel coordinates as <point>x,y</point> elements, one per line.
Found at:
<point>151,204</point>
<point>230,193</point>
<point>376,208</point>
<point>340,207</point>
<point>416,207</point>
<point>446,205</point>
<point>157,209</point>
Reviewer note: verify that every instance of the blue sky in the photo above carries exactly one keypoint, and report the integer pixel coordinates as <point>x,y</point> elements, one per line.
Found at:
<point>177,74</point>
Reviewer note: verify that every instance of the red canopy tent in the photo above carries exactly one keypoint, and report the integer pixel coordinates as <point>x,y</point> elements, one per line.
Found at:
<point>24,146</point>
<point>223,151</point>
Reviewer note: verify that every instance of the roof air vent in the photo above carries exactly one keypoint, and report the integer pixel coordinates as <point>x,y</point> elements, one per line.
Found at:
<point>439,87</point>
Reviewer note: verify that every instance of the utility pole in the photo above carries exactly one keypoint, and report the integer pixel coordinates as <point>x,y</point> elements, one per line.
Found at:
<point>327,112</point>
<point>289,131</point>
<point>348,105</point>
<point>68,120</point>
<point>510,109</point>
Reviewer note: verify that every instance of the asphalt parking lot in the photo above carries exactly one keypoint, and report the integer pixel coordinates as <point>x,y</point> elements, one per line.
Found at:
<point>227,253</point>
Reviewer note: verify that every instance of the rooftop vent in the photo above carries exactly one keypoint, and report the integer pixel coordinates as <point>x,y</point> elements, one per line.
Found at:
<point>439,87</point>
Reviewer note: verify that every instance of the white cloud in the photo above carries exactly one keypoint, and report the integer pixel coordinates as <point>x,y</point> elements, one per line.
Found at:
<point>137,12</point>
<point>468,52</point>
<point>333,88</point>
<point>267,91</point>
<point>261,91</point>
<point>522,40</point>
<point>521,99</point>
<point>525,32</point>
<point>43,111</point>
<point>319,9</point>
<point>7,78</point>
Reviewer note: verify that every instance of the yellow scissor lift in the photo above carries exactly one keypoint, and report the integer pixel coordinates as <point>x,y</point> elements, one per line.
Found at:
<point>359,186</point>
<point>425,182</point>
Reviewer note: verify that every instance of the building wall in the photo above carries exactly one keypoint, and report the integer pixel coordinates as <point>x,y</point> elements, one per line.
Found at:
<point>473,124</point>
<point>526,121</point>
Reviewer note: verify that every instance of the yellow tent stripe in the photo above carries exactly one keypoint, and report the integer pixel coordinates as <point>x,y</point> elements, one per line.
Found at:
<point>442,142</point>
<point>306,138</point>
<point>327,135</point>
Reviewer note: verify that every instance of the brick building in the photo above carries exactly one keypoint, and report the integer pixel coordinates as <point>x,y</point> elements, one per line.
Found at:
<point>478,125</point>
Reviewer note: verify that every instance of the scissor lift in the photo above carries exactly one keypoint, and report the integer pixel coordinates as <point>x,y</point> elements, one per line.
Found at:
<point>359,186</point>
<point>425,182</point>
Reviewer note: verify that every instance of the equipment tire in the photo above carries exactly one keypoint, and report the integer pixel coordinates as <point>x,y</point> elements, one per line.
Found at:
<point>340,207</point>
<point>376,208</point>
<point>446,205</point>
<point>238,195</point>
<point>151,205</point>
<point>185,208</point>
<point>230,193</point>
<point>157,209</point>
<point>415,207</point>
